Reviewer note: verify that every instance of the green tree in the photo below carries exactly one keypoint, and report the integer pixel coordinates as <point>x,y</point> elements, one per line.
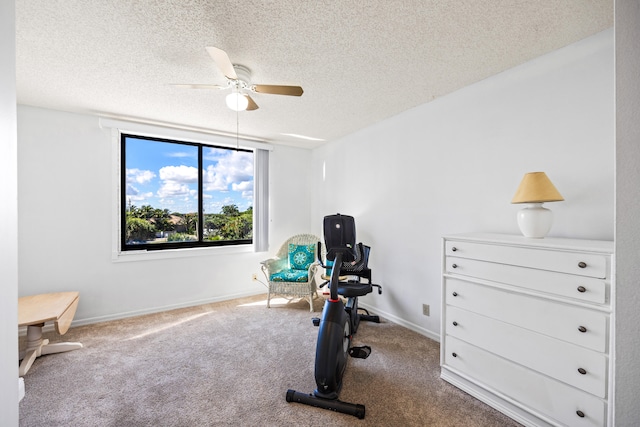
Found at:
<point>213,223</point>
<point>146,212</point>
<point>190,222</point>
<point>229,224</point>
<point>162,220</point>
<point>232,229</point>
<point>235,225</point>
<point>230,210</point>
<point>138,229</point>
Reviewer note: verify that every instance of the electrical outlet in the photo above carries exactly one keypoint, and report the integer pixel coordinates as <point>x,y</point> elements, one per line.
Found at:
<point>254,277</point>
<point>425,309</point>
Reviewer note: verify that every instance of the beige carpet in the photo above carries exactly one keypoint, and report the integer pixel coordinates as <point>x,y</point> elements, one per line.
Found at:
<point>231,363</point>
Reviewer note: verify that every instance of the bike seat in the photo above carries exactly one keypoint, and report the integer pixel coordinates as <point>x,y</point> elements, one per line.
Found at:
<point>354,289</point>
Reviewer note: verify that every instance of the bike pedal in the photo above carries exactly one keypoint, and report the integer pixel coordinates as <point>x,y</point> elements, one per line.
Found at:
<point>316,321</point>
<point>360,352</point>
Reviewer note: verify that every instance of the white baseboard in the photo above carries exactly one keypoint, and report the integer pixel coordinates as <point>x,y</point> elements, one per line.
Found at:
<point>123,315</point>
<point>395,319</point>
<point>152,310</point>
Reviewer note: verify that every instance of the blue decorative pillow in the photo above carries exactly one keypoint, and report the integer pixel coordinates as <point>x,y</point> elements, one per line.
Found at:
<point>290,276</point>
<point>301,256</point>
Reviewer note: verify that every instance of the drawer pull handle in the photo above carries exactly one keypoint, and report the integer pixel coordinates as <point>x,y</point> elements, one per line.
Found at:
<point>454,354</point>
<point>453,249</point>
<point>582,329</point>
<point>582,371</point>
<point>455,294</point>
<point>582,264</point>
<point>454,265</point>
<point>455,323</point>
<point>580,414</point>
<point>582,289</point>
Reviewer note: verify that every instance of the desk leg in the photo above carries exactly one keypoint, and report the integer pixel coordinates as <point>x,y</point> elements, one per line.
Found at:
<point>60,347</point>
<point>34,347</point>
<point>37,347</point>
<point>26,363</point>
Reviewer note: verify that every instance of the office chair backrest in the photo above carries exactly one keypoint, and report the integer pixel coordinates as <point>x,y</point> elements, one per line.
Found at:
<point>340,236</point>
<point>362,259</point>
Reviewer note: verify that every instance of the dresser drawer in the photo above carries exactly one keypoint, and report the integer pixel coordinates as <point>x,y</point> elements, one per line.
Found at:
<point>541,353</point>
<point>583,264</point>
<point>577,325</point>
<point>542,394</point>
<point>587,289</point>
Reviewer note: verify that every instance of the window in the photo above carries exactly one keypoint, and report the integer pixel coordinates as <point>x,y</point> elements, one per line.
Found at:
<point>177,194</point>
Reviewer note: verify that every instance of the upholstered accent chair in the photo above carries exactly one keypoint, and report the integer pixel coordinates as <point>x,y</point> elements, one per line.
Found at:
<point>292,272</point>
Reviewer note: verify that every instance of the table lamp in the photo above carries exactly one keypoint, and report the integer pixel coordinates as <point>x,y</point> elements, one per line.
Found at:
<point>535,189</point>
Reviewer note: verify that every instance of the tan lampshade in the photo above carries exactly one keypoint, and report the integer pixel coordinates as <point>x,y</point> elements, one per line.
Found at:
<point>536,187</point>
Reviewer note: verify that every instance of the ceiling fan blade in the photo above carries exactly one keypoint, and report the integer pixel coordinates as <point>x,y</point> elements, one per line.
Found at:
<point>197,86</point>
<point>222,59</point>
<point>252,104</point>
<point>279,90</point>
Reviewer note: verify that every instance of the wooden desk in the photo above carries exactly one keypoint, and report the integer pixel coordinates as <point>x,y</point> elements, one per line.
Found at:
<point>34,311</point>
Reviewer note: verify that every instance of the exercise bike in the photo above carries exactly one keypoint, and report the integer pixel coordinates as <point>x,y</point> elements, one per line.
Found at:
<point>339,321</point>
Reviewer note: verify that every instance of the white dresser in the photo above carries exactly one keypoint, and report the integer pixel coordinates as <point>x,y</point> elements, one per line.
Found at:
<point>527,326</point>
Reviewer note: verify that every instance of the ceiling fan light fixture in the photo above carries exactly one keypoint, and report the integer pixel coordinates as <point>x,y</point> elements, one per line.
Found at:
<point>237,101</point>
<point>238,80</point>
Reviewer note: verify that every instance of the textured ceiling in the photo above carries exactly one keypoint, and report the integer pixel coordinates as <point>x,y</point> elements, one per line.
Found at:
<point>358,61</point>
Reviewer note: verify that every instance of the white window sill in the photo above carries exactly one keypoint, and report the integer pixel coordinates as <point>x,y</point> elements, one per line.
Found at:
<point>129,256</point>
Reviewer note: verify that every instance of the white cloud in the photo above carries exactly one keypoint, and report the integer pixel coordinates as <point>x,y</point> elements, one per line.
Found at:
<point>173,189</point>
<point>180,154</point>
<point>213,180</point>
<point>233,168</point>
<point>246,189</point>
<point>180,174</point>
<point>139,176</point>
<point>176,180</point>
<point>214,154</point>
<point>134,195</point>
<point>131,190</point>
<point>138,197</point>
<point>242,186</point>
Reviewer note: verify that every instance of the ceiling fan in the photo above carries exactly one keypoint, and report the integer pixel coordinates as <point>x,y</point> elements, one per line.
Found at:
<point>239,81</point>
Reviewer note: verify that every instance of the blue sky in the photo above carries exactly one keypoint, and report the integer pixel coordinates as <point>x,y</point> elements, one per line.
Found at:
<point>165,175</point>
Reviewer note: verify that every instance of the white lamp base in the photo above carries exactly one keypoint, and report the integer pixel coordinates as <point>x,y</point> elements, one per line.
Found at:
<point>535,221</point>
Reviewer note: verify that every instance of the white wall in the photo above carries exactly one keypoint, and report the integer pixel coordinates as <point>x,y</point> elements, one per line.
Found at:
<point>65,234</point>
<point>454,164</point>
<point>627,212</point>
<point>8,219</point>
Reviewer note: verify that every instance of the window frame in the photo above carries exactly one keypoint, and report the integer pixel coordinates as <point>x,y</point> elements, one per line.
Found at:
<point>200,243</point>
<point>115,126</point>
